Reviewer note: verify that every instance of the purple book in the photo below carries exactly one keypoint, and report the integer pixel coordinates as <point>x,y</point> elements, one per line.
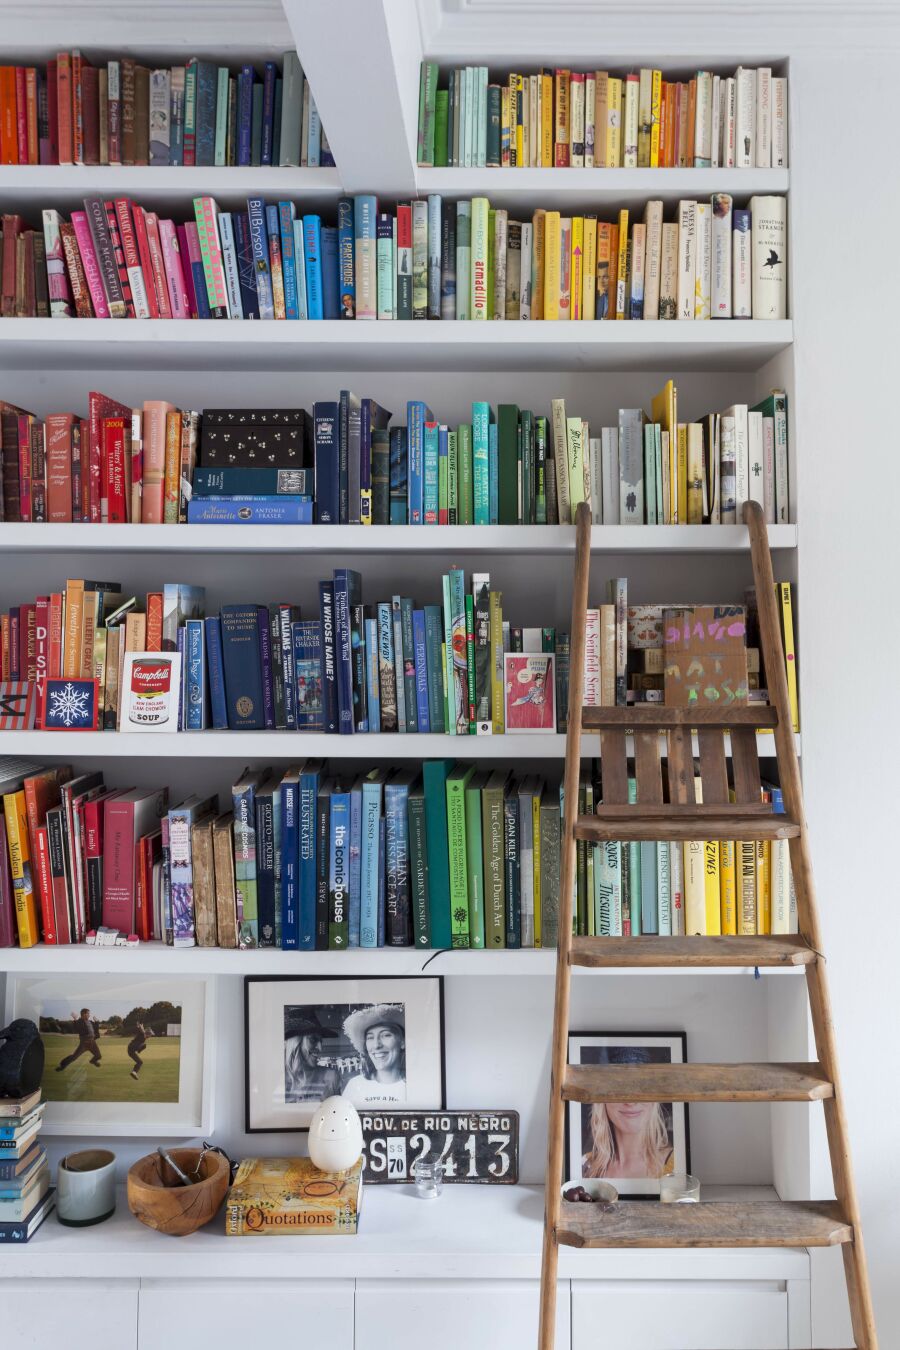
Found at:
<point>181,231</point>
<point>7,904</point>
<point>265,660</point>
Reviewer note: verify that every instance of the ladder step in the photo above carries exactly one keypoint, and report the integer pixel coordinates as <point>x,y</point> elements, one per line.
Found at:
<point>654,715</point>
<point>725,825</point>
<point>642,1223</point>
<point>695,1083</point>
<point>690,951</point>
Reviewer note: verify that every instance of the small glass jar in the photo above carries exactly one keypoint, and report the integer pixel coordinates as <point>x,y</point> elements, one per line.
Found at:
<point>679,1189</point>
<point>428,1174</point>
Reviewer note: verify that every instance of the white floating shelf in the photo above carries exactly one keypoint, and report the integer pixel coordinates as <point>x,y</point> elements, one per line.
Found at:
<point>196,344</point>
<point>33,186</point>
<point>452,541</point>
<point>263,745</point>
<point>474,1233</point>
<point>586,189</point>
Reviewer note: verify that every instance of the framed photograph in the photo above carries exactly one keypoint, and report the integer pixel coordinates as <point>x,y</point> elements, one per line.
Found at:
<point>124,1054</point>
<point>69,705</point>
<point>631,1144</point>
<point>529,680</point>
<point>151,688</point>
<point>378,1042</point>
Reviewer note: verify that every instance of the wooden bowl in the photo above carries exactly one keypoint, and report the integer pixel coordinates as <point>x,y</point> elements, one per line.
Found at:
<point>177,1210</point>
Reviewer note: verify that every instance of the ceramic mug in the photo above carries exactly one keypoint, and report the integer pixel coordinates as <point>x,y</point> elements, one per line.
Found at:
<point>86,1187</point>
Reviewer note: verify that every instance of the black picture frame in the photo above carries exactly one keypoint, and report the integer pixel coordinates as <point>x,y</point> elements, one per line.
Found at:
<point>337,980</point>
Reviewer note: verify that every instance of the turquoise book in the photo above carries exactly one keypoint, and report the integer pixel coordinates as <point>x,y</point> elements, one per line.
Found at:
<point>482,416</point>
<point>371,859</point>
<point>419,875</point>
<point>431,461</point>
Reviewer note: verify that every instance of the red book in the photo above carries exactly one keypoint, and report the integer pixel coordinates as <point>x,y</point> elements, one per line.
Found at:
<point>31,115</point>
<point>75,470</point>
<point>112,221</point>
<point>41,795</point>
<point>149,851</point>
<point>84,464</point>
<point>21,116</point>
<point>26,642</point>
<point>38,472</point>
<point>153,639</point>
<point>52,114</point>
<point>12,228</point>
<point>41,652</point>
<point>92,819</point>
<point>136,279</point>
<point>44,882</point>
<point>126,819</point>
<point>24,429</point>
<point>100,407</point>
<point>157,265</point>
<point>9,153</point>
<point>143,248</point>
<point>59,466</point>
<point>115,470</point>
<point>90,113</point>
<point>64,108</point>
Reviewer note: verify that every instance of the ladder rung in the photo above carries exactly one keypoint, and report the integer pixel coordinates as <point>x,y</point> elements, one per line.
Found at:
<point>725,825</point>
<point>648,715</point>
<point>695,1083</point>
<point>639,1223</point>
<point>690,951</point>
<point>662,810</point>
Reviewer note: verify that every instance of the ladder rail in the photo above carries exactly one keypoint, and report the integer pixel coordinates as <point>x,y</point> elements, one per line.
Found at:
<point>855,1265</point>
<point>559,1051</point>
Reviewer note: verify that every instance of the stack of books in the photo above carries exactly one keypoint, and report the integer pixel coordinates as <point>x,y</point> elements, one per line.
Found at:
<point>26,1196</point>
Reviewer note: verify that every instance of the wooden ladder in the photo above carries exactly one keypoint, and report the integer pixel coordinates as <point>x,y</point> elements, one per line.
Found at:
<point>719,1224</point>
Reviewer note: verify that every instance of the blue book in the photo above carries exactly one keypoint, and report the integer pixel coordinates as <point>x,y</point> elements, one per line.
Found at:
<point>21,1123</point>
<point>241,659</point>
<point>417,414</point>
<point>307,670</point>
<point>649,902</point>
<point>236,481</point>
<point>290,859</point>
<point>215,668</point>
<point>382,880</point>
<point>355,860</point>
<point>288,615</point>
<point>431,454</point>
<point>201,295</point>
<point>346,261</point>
<point>347,595</point>
<point>373,683</point>
<point>300,262</point>
<point>398,916</point>
<point>250,511</point>
<point>329,669</point>
<point>339,870</point>
<point>493,475</point>
<point>372,417</point>
<point>256,125</point>
<point>312,255</point>
<point>325,434</point>
<point>195,718</point>
<point>245,84</point>
<point>205,117</point>
<point>259,240</point>
<point>265,661</point>
<point>243,800</point>
<point>331,304</point>
<point>288,261</point>
<point>406,650</point>
<point>240,222</point>
<point>265,861</point>
<point>268,115</point>
<point>309,789</point>
<point>370,859</point>
<point>423,715</point>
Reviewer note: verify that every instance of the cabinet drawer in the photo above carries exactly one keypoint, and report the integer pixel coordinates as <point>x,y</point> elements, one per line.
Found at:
<point>235,1314</point>
<point>77,1314</point>
<point>449,1314</point>
<point>679,1315</point>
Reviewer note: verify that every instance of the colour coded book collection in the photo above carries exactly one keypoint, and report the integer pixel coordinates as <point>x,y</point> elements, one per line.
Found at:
<point>26,1196</point>
<point>594,119</point>
<point>433,855</point>
<point>347,463</point>
<point>116,112</point>
<point>429,259</point>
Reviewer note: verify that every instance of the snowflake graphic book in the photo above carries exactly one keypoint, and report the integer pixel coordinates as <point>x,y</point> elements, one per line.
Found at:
<point>70,705</point>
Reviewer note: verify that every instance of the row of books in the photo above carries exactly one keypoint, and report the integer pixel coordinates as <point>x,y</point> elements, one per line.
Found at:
<point>197,113</point>
<point>434,855</point>
<point>430,259</point>
<point>347,464</point>
<point>593,119</point>
<point>26,1196</point>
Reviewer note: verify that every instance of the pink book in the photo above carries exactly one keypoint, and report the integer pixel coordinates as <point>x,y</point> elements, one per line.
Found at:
<point>184,244</point>
<point>126,819</point>
<point>41,651</point>
<point>89,262</point>
<point>143,246</point>
<point>181,305</point>
<point>136,279</point>
<point>158,266</point>
<point>154,461</point>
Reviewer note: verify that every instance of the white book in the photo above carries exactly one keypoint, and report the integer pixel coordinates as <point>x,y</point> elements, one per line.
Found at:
<point>595,451</point>
<point>498,308</point>
<point>687,259</point>
<point>304,127</point>
<point>727,509</point>
<point>768,436</point>
<point>676,888</point>
<point>716,122</point>
<point>630,124</point>
<point>631,466</point>
<point>769,257</point>
<point>590,131</point>
<point>741,457</point>
<point>561,458</point>
<point>302,305</point>
<point>663,889</point>
<point>592,659</point>
<point>779,123</point>
<point>741,287</point>
<point>653,224</point>
<point>745,118</point>
<point>720,296</point>
<point>764,118</point>
<point>609,474</point>
<point>756,478</point>
<point>576,123</point>
<point>469,113</point>
<point>703,283</point>
<point>729,131</point>
<point>230,266</point>
<point>525,283</point>
<point>532,640</point>
<point>780,872</point>
<point>703,121</point>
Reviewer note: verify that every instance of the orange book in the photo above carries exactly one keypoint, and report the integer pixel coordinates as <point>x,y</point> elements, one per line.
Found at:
<point>31,115</point>
<point>691,123</point>
<point>73,630</point>
<point>663,123</point>
<point>537,245</point>
<point>154,461</point>
<point>671,125</point>
<point>171,482</point>
<point>9,150</point>
<point>154,621</point>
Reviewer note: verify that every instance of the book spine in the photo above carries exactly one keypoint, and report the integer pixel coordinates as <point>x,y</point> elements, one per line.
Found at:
<point>398,915</point>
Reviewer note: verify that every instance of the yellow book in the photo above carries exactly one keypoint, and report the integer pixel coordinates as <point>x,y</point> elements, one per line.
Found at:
<point>547,124</point>
<point>290,1195</point>
<point>712,887</point>
<point>763,894</point>
<point>20,867</point>
<point>575,445</point>
<point>614,124</point>
<point>727,887</point>
<point>495,614</point>
<point>746,863</point>
<point>504,122</point>
<point>655,106</point>
<point>589,293</point>
<point>694,888</point>
<point>73,630</point>
<point>536,866</point>
<point>537,264</point>
<point>790,655</point>
<point>664,409</point>
<point>172,468</point>
<point>682,475</point>
<point>98,670</point>
<point>694,434</point>
<point>622,267</point>
<point>552,277</point>
<point>520,121</point>
<point>577,271</point>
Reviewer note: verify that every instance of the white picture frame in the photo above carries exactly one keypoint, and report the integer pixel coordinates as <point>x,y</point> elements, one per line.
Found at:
<point>147,1107</point>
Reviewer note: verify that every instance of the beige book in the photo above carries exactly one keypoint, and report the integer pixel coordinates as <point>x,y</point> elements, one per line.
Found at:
<point>764,118</point>
<point>134,639</point>
<point>225,888</point>
<point>630,122</point>
<point>498,307</point>
<point>601,119</point>
<point>687,259</point>
<point>779,123</point>
<point>703,277</point>
<point>608,656</point>
<point>204,881</point>
<point>668,272</point>
<point>561,457</point>
<point>111,691</point>
<point>653,226</point>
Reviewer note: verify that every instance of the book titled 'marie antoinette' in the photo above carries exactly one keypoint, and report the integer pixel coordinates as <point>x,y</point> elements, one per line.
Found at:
<point>291,1195</point>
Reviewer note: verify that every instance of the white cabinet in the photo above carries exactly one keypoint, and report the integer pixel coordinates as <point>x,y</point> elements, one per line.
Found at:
<point>77,1314</point>
<point>306,1314</point>
<point>448,1314</point>
<point>683,1315</point>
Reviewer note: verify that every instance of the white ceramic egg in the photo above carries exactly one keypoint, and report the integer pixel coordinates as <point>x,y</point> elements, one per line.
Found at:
<point>335,1135</point>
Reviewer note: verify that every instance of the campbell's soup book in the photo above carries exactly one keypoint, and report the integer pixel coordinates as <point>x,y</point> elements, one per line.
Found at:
<point>151,686</point>
<point>291,1195</point>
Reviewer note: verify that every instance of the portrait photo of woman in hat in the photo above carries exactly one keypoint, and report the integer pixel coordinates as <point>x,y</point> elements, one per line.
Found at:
<point>378,1034</point>
<point>306,1079</point>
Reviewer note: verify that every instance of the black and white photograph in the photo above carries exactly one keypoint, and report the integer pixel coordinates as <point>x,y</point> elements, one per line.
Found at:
<point>378,1042</point>
<point>631,1144</point>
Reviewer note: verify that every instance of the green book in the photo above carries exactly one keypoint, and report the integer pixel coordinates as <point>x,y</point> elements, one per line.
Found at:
<point>540,471</point>
<point>527,434</point>
<point>465,478</point>
<point>221,117</point>
<point>433,643</point>
<point>494,862</point>
<point>475,859</point>
<point>428,78</point>
<point>444,481</point>
<point>470,660</point>
<point>441,112</point>
<point>418,866</point>
<point>452,477</point>
<point>507,463</point>
<point>550,869</point>
<point>457,783</point>
<point>435,773</point>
